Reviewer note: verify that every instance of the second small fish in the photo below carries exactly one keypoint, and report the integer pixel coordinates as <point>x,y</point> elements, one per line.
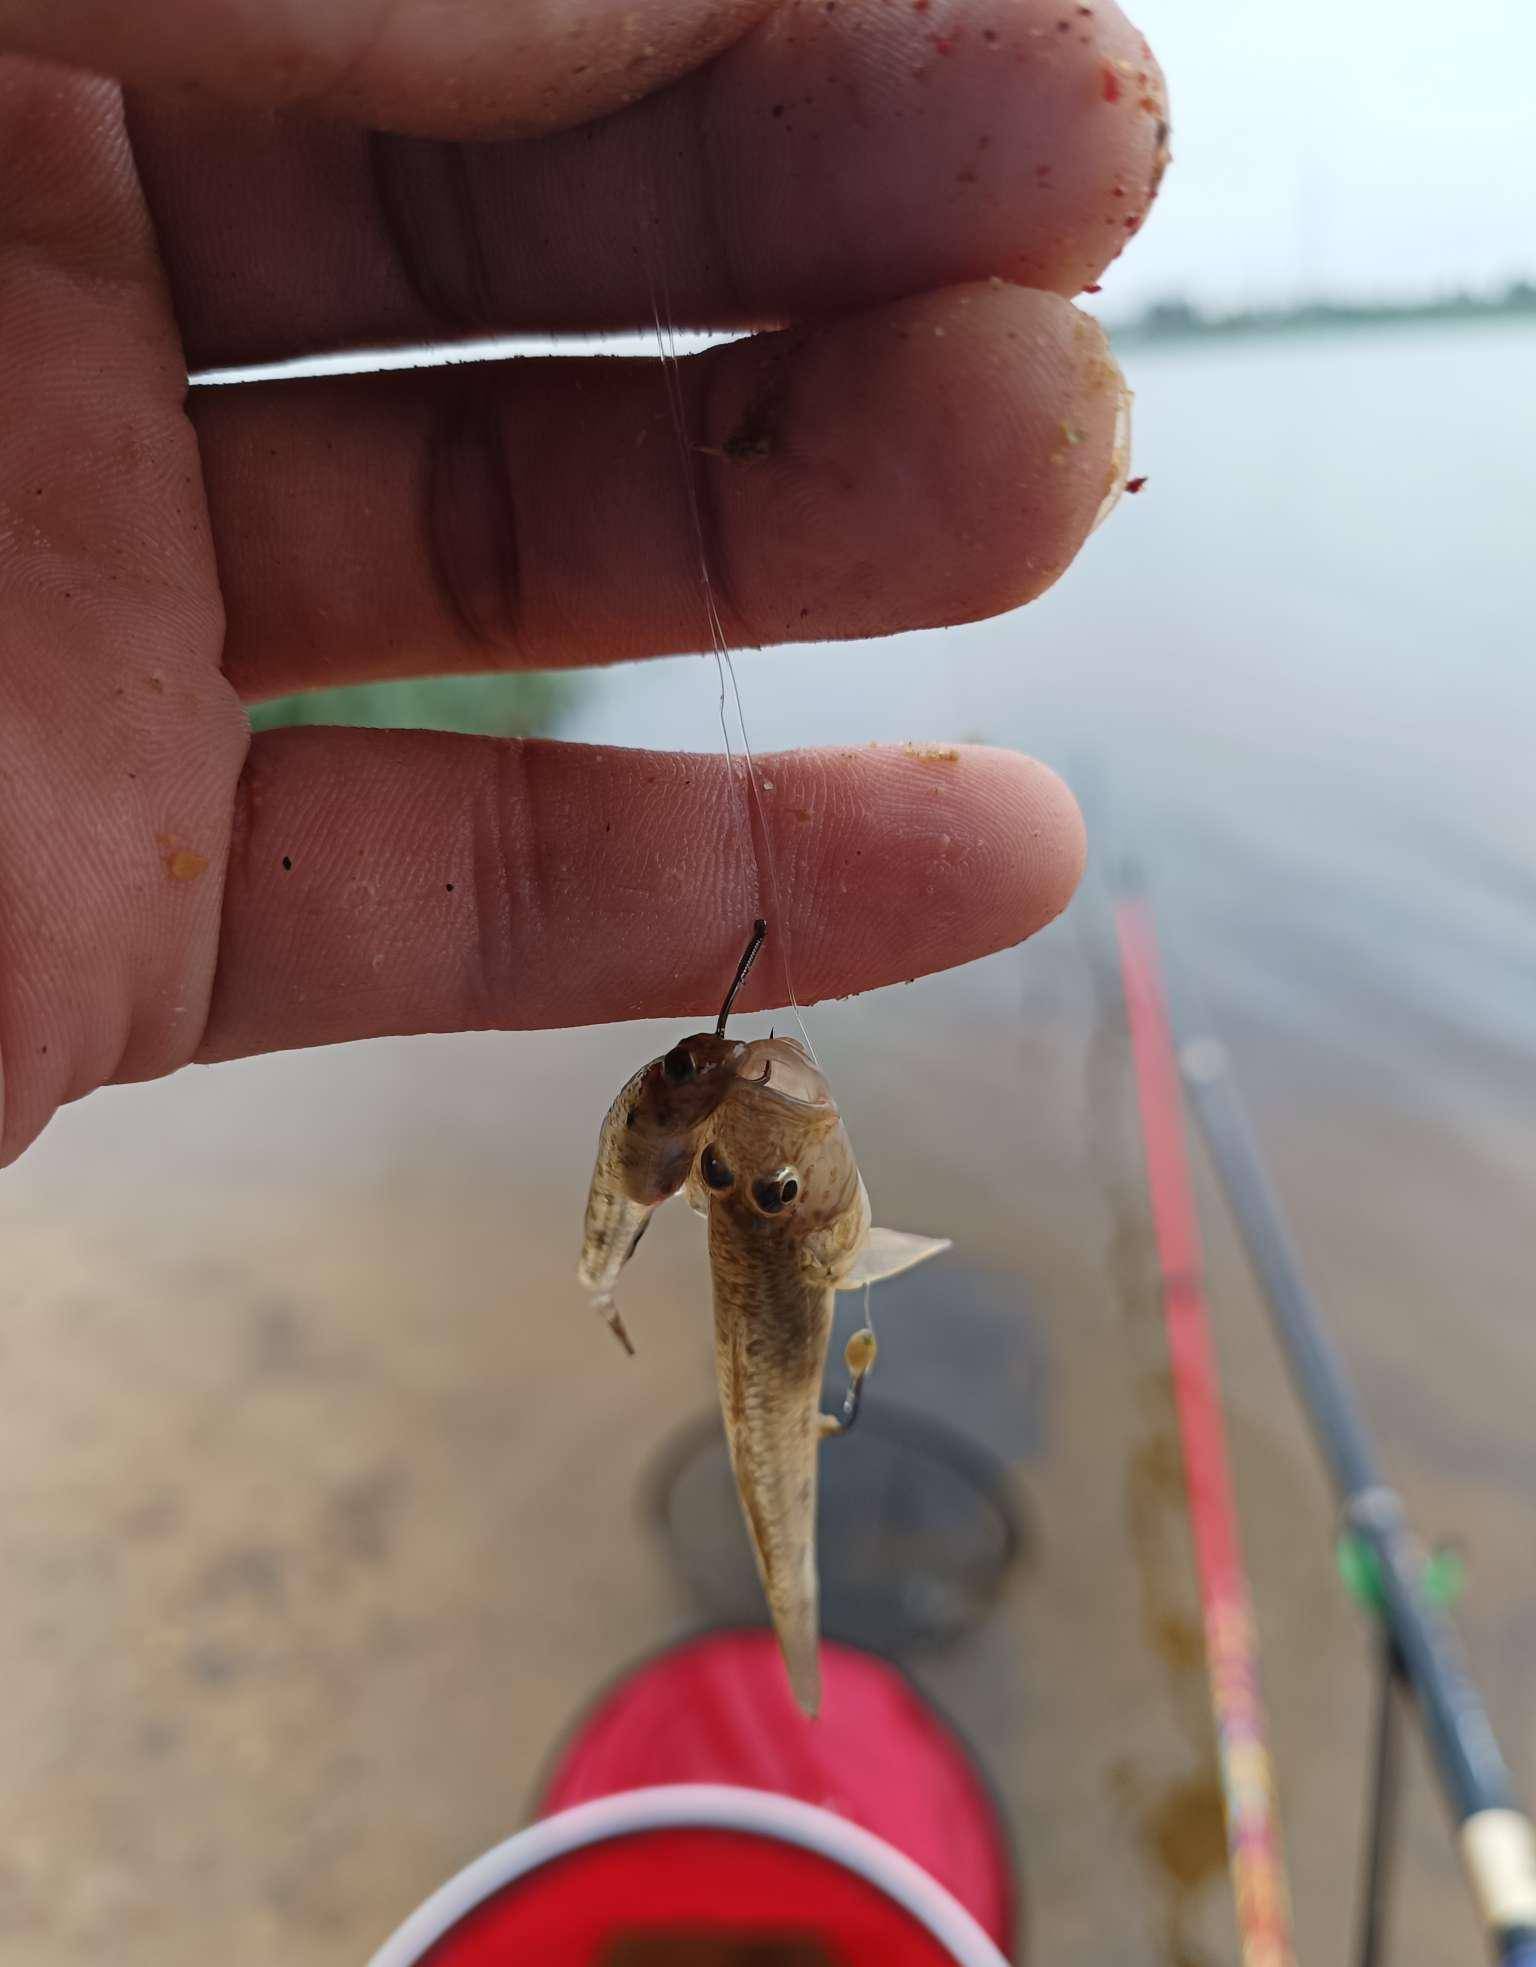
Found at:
<point>648,1141</point>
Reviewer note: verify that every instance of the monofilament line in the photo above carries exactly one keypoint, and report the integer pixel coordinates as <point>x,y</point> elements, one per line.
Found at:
<point>725,668</point>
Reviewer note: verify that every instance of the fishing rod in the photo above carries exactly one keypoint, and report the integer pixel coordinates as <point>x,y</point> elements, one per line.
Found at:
<point>1498,1843</point>
<point>1255,1857</point>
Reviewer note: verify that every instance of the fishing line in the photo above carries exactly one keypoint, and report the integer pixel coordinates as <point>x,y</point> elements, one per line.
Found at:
<point>757,817</point>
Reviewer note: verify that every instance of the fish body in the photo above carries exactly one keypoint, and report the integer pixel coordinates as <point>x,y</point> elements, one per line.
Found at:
<point>645,1149</point>
<point>788,1220</point>
<point>772,1328</point>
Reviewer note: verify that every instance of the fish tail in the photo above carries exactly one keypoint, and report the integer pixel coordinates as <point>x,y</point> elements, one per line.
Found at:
<point>786,1562</point>
<point>797,1628</point>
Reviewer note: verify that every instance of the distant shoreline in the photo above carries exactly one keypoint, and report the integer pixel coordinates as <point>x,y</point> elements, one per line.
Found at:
<point>1179,321</point>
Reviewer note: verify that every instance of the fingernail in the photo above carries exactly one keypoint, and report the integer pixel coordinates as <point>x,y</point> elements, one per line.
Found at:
<point>1120,458</point>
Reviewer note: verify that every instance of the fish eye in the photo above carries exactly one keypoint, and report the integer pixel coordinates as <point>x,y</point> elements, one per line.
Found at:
<point>772,1193</point>
<point>679,1064</point>
<point>713,1168</point>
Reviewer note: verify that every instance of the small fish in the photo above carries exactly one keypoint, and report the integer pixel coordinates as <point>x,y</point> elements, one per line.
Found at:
<point>648,1142</point>
<point>752,1133</point>
<point>789,1227</point>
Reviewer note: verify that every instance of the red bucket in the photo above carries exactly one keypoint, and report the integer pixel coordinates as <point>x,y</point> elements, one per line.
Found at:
<point>697,1817</point>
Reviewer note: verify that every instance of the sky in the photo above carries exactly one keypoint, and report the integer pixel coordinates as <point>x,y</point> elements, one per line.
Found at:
<point>1343,147</point>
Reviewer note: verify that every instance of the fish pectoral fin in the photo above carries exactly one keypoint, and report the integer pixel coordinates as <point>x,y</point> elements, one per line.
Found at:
<point>888,1253</point>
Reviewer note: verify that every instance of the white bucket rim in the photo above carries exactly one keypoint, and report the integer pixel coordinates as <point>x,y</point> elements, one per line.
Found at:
<point>695,1806</point>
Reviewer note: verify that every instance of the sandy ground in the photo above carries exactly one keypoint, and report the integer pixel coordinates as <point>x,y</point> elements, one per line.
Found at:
<point>320,1515</point>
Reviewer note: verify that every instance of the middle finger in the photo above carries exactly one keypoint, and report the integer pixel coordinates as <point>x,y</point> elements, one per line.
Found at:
<point>921,464</point>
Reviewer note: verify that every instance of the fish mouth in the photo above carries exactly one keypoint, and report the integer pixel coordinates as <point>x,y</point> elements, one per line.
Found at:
<point>782,1065</point>
<point>764,1089</point>
<point>691,1102</point>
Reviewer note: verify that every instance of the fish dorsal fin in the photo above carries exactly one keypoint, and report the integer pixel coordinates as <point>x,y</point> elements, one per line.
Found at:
<point>887,1254</point>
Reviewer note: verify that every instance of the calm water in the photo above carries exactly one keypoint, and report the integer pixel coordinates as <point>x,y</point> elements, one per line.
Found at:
<point>318,1491</point>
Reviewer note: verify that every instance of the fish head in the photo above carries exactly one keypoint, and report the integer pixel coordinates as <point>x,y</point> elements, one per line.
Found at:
<point>776,1159</point>
<point>679,1091</point>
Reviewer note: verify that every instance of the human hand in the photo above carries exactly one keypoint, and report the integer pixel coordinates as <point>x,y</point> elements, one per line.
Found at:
<point>920,181</point>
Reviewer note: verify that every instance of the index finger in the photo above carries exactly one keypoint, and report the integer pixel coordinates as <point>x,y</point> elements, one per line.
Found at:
<point>448,68</point>
<point>385,882</point>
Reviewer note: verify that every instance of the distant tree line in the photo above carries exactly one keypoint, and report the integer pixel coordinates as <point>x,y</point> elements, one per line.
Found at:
<point>1179,320</point>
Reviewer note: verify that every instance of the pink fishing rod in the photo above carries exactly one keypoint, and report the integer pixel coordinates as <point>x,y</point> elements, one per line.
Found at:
<point>1254,1852</point>
<point>1385,1562</point>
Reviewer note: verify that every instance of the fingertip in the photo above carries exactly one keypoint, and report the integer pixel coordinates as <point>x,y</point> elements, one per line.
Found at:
<point>935,461</point>
<point>1058,839</point>
<point>1031,829</point>
<point>1114,139</point>
<point>1019,137</point>
<point>917,857</point>
<point>1048,431</point>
